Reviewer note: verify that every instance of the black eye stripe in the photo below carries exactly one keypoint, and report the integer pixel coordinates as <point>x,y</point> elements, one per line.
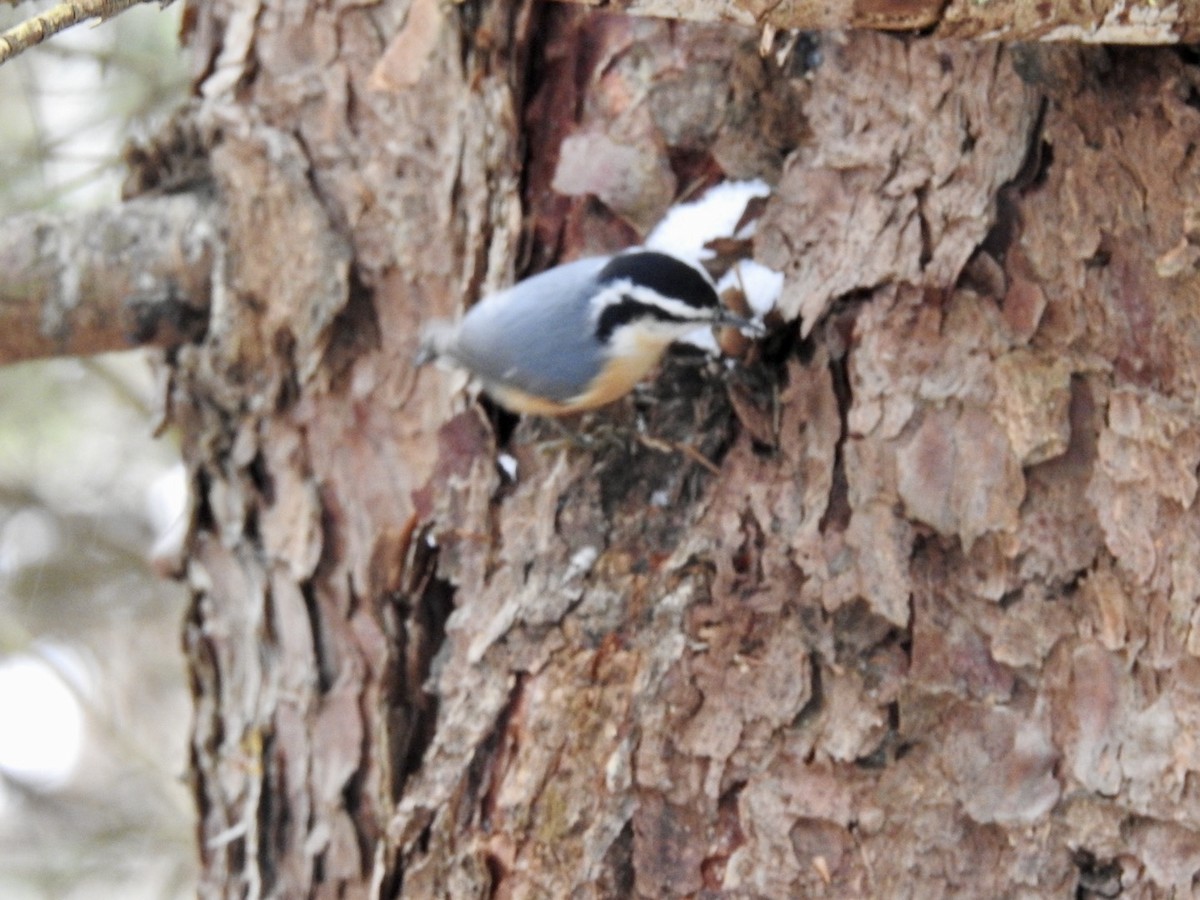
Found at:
<point>625,311</point>
<point>663,274</point>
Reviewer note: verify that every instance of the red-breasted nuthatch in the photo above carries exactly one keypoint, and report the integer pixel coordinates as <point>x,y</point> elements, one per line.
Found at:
<point>579,335</point>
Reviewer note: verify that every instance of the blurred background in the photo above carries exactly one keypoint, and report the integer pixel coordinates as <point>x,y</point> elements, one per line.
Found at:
<point>94,705</point>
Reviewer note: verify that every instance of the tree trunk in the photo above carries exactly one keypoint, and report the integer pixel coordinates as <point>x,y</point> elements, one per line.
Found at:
<point>932,629</point>
<point>1097,21</point>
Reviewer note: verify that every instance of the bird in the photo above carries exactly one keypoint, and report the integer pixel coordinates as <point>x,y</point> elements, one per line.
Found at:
<point>580,335</point>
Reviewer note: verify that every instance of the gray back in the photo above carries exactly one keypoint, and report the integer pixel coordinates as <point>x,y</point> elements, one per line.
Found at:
<point>538,335</point>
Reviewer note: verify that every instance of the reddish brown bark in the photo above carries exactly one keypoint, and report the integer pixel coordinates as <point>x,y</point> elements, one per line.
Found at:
<point>1097,21</point>
<point>111,279</point>
<point>932,629</point>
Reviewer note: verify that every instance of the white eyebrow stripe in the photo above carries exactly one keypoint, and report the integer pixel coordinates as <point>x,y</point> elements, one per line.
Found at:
<point>614,292</point>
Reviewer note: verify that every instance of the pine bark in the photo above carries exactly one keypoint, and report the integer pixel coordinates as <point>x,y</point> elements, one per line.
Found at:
<point>932,629</point>
<point>1096,21</point>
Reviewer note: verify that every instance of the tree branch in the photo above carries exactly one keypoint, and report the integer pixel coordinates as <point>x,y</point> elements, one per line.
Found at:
<point>112,279</point>
<point>39,28</point>
<point>1102,21</point>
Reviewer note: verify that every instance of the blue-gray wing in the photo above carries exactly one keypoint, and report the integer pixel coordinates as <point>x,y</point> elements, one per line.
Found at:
<point>537,336</point>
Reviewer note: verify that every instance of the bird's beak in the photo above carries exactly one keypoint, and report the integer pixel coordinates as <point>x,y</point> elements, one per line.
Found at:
<point>749,326</point>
